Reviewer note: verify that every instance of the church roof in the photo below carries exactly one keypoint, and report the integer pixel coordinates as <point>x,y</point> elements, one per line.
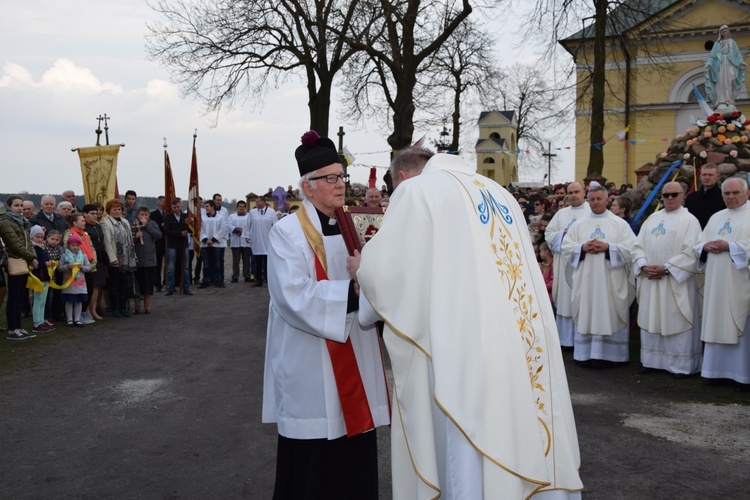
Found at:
<point>490,144</point>
<point>507,114</point>
<point>625,17</point>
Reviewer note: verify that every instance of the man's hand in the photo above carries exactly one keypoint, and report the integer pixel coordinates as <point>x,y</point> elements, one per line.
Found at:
<point>595,246</point>
<point>716,246</point>
<point>352,264</point>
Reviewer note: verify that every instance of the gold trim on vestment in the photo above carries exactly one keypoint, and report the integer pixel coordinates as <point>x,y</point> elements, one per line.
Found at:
<point>314,237</point>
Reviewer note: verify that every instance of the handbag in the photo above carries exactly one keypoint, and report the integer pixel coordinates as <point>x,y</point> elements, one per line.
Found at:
<point>133,289</point>
<point>17,267</point>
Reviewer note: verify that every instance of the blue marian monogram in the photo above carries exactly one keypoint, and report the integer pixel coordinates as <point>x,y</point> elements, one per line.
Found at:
<point>489,207</point>
<point>725,229</point>
<point>659,230</point>
<point>598,234</point>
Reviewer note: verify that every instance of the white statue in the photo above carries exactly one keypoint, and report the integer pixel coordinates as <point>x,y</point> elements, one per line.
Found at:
<point>724,71</point>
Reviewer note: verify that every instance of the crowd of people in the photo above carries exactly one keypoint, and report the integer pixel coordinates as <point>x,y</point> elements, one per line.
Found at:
<point>681,276</point>
<point>71,265</point>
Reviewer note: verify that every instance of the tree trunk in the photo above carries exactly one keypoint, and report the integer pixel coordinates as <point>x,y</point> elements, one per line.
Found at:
<point>456,115</point>
<point>403,114</point>
<point>319,103</point>
<point>596,152</point>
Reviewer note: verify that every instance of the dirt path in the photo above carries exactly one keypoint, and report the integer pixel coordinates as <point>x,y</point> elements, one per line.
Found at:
<point>168,406</point>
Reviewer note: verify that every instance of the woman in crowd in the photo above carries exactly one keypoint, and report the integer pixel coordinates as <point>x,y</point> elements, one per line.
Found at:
<point>146,233</point>
<point>118,245</point>
<point>14,231</point>
<point>95,279</point>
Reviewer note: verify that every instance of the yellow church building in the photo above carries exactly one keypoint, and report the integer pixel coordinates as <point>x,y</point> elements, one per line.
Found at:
<point>497,146</point>
<point>653,60</point>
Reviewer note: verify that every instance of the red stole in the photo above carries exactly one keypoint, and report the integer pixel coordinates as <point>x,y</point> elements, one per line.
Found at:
<point>352,396</point>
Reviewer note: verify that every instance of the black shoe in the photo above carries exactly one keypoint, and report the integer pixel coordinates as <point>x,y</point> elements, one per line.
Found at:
<point>680,376</point>
<point>742,388</point>
<point>643,370</point>
<point>203,285</point>
<point>220,285</point>
<point>125,313</point>
<point>248,280</point>
<point>257,284</point>
<point>169,293</point>
<point>187,292</point>
<point>235,280</point>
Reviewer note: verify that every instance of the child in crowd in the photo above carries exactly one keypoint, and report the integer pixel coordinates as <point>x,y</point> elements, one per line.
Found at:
<point>53,309</point>
<point>41,272</point>
<point>77,225</point>
<point>74,294</point>
<point>546,264</point>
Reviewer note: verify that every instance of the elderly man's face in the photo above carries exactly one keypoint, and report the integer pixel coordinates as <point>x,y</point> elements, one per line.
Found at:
<point>373,198</point>
<point>733,193</point>
<point>70,196</point>
<point>325,196</point>
<point>598,202</point>
<point>28,209</point>
<point>65,210</point>
<point>48,206</point>
<point>672,196</point>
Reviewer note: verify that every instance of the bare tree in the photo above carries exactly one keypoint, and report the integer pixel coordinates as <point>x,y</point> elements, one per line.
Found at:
<point>396,54</point>
<point>462,73</point>
<point>220,50</point>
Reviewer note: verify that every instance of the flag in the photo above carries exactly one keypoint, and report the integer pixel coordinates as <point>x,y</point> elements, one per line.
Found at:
<point>373,178</point>
<point>702,102</point>
<point>419,143</point>
<point>193,206</point>
<point>99,172</point>
<point>349,156</point>
<point>169,194</point>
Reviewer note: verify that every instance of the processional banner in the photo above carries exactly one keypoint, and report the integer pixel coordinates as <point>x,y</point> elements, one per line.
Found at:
<point>99,172</point>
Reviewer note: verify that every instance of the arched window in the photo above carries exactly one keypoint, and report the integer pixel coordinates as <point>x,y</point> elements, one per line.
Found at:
<point>489,160</point>
<point>494,135</point>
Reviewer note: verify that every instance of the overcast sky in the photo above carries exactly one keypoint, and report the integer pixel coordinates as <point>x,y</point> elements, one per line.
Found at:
<point>65,62</point>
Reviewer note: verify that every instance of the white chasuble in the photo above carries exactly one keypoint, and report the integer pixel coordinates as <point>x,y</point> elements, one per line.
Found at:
<point>602,287</point>
<point>259,223</point>
<point>299,389</point>
<point>726,302</point>
<point>554,236</point>
<point>666,305</point>
<point>481,406</point>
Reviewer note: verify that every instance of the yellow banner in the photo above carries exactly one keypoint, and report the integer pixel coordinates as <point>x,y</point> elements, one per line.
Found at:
<point>99,171</point>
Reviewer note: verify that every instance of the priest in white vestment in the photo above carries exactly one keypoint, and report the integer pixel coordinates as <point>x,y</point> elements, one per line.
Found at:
<point>239,243</point>
<point>259,223</point>
<point>481,403</point>
<point>664,266</point>
<point>723,252</point>
<point>597,250</point>
<point>324,382</point>
<point>558,227</point>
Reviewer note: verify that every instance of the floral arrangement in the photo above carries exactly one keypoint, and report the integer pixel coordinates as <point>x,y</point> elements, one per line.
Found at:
<point>720,138</point>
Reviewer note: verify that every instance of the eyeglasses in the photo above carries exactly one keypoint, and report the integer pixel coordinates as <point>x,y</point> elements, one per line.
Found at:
<point>332,178</point>
<point>670,195</point>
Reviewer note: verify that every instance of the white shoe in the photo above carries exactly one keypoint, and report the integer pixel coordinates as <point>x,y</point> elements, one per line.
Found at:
<point>86,319</point>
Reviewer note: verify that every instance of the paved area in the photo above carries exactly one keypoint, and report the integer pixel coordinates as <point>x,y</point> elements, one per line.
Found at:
<point>168,406</point>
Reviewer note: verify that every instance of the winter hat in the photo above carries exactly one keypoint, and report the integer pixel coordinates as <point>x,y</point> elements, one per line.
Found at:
<point>36,230</point>
<point>74,239</point>
<point>315,152</point>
